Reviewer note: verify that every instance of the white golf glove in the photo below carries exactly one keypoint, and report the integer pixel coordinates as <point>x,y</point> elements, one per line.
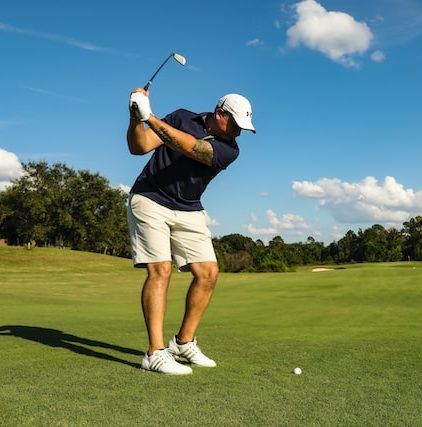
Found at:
<point>140,106</point>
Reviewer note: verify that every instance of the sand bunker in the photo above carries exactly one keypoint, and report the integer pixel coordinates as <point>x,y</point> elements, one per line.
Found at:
<point>319,269</point>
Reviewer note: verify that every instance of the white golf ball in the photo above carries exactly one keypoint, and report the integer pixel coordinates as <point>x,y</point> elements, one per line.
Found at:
<point>297,371</point>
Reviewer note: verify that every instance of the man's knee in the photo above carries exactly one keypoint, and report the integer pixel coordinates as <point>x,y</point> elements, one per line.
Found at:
<point>213,273</point>
<point>159,272</point>
<point>206,273</point>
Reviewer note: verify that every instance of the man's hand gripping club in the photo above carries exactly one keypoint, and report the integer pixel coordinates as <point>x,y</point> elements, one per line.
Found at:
<point>139,105</point>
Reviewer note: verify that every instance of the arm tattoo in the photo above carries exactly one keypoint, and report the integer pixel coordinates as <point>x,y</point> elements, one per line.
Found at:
<point>167,139</point>
<point>202,150</point>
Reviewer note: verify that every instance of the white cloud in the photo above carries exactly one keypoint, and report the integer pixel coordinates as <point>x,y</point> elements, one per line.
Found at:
<point>287,223</point>
<point>124,188</point>
<point>261,231</point>
<point>335,34</point>
<point>55,38</point>
<point>365,201</point>
<point>255,42</point>
<point>211,222</point>
<point>52,94</point>
<point>10,168</point>
<point>378,56</point>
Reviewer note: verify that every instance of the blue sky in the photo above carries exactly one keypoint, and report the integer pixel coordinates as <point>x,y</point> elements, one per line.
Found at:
<point>335,88</point>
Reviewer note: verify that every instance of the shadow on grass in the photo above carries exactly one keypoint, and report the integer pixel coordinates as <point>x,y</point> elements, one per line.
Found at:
<point>59,339</point>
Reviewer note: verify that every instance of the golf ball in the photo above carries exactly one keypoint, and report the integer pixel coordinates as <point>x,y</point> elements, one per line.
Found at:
<point>297,371</point>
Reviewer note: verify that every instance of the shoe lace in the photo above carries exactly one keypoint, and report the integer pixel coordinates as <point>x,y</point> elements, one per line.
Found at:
<point>166,354</point>
<point>194,348</point>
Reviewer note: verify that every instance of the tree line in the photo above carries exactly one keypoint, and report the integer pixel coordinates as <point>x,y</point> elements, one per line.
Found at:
<point>53,205</point>
<point>375,244</point>
<point>57,206</point>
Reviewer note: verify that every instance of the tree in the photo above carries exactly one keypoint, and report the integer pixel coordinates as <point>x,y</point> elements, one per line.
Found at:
<point>277,244</point>
<point>31,203</point>
<point>266,258</point>
<point>312,251</point>
<point>236,242</point>
<point>412,231</point>
<point>374,244</point>
<point>54,205</point>
<point>293,254</point>
<point>347,248</point>
<point>234,252</point>
<point>395,245</point>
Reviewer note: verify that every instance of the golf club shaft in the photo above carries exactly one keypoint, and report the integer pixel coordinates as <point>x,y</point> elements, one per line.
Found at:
<point>159,68</point>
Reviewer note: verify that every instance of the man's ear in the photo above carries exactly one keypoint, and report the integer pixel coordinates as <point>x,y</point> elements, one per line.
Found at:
<point>220,112</point>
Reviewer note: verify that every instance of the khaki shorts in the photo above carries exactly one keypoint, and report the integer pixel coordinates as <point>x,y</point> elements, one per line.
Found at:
<point>160,234</point>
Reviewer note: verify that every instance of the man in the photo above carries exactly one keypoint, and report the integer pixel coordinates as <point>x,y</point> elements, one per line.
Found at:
<point>167,221</point>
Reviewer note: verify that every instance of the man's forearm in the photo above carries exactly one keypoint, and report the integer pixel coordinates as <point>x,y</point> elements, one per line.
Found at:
<point>141,140</point>
<point>183,142</point>
<point>173,138</point>
<point>135,137</point>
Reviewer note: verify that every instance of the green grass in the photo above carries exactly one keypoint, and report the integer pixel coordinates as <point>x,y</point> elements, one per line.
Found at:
<point>72,335</point>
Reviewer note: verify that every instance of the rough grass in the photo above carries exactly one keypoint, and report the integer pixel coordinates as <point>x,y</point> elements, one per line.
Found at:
<point>72,335</point>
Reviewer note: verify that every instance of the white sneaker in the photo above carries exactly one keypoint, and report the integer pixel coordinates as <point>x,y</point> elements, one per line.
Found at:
<point>163,361</point>
<point>191,352</point>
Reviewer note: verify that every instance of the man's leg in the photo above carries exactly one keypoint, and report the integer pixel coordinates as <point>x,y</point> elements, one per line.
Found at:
<point>198,297</point>
<point>154,301</point>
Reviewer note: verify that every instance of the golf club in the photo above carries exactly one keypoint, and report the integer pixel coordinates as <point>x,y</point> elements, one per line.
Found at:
<point>179,58</point>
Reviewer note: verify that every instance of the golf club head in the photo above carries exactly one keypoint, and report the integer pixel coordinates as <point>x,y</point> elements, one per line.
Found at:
<point>179,58</point>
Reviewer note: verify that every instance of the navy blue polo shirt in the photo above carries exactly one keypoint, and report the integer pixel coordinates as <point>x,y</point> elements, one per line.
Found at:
<point>176,181</point>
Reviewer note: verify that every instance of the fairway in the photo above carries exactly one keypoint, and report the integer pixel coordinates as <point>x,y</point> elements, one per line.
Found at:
<point>72,337</point>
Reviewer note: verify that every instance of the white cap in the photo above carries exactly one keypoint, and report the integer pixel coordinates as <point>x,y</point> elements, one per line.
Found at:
<point>240,108</point>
